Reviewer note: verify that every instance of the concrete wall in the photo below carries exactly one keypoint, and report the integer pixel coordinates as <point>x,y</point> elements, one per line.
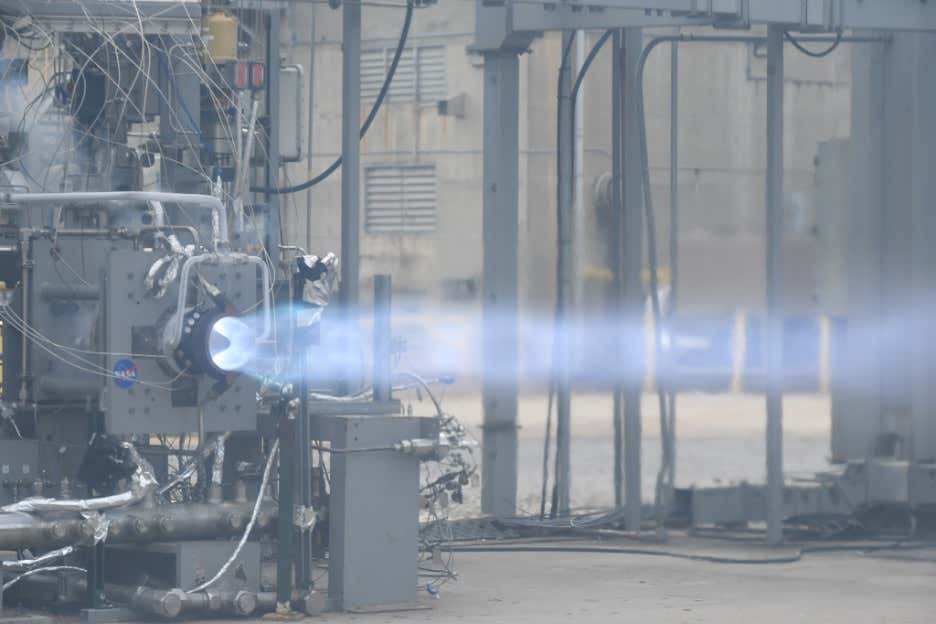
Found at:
<point>722,106</point>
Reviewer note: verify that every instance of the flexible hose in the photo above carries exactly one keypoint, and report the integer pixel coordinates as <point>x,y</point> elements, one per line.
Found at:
<point>384,89</point>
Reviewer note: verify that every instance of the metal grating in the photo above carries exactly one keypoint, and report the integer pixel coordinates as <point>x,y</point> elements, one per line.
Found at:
<point>420,76</point>
<point>400,199</point>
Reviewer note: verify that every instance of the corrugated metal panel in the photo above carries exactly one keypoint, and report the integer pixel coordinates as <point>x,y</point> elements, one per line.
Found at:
<point>420,76</point>
<point>400,199</point>
<point>432,74</point>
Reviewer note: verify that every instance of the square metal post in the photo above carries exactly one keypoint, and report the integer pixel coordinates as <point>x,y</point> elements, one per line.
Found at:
<point>632,295</point>
<point>923,273</point>
<point>774,202</point>
<point>565,278</point>
<point>499,287</point>
<point>350,154</point>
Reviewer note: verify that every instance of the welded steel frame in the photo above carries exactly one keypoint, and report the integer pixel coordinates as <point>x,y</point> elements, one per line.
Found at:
<point>504,30</point>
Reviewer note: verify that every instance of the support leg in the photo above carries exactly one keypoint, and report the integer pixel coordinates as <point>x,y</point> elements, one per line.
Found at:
<point>499,288</point>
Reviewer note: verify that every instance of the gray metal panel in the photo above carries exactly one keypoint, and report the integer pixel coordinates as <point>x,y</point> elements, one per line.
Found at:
<point>146,406</point>
<point>192,563</point>
<point>857,424</point>
<point>499,284</point>
<point>19,465</point>
<point>59,370</point>
<point>373,513</point>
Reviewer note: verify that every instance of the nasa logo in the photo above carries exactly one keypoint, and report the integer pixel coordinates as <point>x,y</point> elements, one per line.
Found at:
<point>125,373</point>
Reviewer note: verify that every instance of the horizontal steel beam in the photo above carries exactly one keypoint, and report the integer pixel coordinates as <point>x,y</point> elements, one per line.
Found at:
<point>511,24</point>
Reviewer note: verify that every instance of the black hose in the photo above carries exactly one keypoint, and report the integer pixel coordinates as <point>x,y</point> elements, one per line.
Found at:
<point>384,89</point>
<point>552,374</point>
<point>797,556</point>
<point>799,46</point>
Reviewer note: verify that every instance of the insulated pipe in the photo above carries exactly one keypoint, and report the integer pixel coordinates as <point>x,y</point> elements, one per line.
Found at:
<point>180,522</point>
<point>219,215</point>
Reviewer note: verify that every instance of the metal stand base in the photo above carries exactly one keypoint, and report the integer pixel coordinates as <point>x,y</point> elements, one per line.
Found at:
<point>107,616</point>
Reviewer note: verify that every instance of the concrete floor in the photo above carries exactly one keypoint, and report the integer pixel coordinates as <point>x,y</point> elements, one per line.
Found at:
<point>575,587</point>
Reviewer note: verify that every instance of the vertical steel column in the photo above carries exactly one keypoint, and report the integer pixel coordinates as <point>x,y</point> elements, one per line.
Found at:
<point>305,560</point>
<point>285,508</point>
<point>923,293</point>
<point>774,343</point>
<point>350,153</point>
<point>271,173</point>
<point>499,286</point>
<point>632,315</point>
<point>673,259</point>
<point>564,279</point>
<point>616,240</point>
<point>382,336</point>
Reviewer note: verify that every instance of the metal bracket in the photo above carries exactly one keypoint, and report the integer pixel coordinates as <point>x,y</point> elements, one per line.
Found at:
<point>304,518</point>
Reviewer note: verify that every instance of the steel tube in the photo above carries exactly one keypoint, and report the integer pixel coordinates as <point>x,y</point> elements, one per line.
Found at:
<point>615,239</point>
<point>774,343</point>
<point>184,199</point>
<point>350,154</point>
<point>382,338</point>
<point>185,275</point>
<point>564,280</point>
<point>184,522</point>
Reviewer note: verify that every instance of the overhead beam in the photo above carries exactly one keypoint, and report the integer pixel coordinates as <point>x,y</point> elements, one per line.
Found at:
<point>511,24</point>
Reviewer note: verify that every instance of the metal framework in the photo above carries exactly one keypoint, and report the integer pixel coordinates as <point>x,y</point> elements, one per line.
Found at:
<point>505,29</point>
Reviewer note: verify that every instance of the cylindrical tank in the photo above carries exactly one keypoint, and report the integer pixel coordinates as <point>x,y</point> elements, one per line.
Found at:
<point>219,30</point>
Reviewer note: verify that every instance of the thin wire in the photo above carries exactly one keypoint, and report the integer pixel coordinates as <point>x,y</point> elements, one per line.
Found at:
<point>62,568</point>
<point>253,518</point>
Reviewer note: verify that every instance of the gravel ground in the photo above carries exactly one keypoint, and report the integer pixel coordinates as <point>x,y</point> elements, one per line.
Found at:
<point>720,439</point>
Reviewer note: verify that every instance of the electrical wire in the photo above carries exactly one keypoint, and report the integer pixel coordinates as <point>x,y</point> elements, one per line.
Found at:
<point>820,54</point>
<point>264,483</point>
<point>381,95</point>
<point>61,568</point>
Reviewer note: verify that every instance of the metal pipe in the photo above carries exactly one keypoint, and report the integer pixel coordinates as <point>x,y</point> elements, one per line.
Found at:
<point>21,565</point>
<point>182,522</point>
<point>382,338</point>
<point>162,603</point>
<point>615,240</point>
<point>142,481</point>
<point>26,264</point>
<point>243,170</point>
<point>287,494</point>
<point>774,343</point>
<point>220,234</point>
<point>70,292</point>
<point>674,268</point>
<point>179,321</point>
<point>564,281</point>
<point>350,154</point>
